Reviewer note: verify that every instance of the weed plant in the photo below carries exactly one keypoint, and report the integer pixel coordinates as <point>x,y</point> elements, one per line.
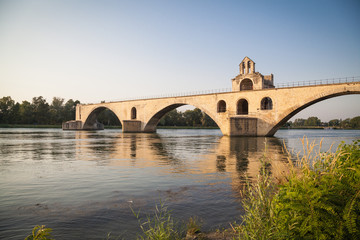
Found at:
<point>40,233</point>
<point>160,226</point>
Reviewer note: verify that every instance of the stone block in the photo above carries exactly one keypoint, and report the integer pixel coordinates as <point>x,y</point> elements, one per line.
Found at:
<point>131,126</point>
<point>243,126</point>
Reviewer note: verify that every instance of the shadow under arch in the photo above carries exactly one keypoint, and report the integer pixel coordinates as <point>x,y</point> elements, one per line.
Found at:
<point>155,119</point>
<point>287,115</point>
<point>91,122</point>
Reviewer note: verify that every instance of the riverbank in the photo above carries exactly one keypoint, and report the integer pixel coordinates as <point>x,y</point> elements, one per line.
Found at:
<point>167,127</point>
<point>28,126</point>
<point>106,127</point>
<point>317,128</point>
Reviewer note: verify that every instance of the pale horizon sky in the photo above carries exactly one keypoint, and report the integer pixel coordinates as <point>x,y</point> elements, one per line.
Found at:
<point>108,50</point>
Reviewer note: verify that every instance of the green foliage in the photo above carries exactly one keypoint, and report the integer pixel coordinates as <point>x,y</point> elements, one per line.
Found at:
<point>36,112</point>
<point>40,233</point>
<point>334,123</point>
<point>312,121</point>
<point>159,227</point>
<point>353,123</point>
<point>319,200</point>
<point>6,109</point>
<point>194,118</point>
<point>108,118</point>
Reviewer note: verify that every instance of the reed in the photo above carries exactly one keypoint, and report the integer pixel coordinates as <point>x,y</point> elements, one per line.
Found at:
<point>160,226</point>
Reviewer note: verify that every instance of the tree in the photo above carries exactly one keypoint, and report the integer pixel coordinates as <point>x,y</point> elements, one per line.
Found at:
<point>193,117</point>
<point>299,122</point>
<point>40,110</point>
<point>312,121</point>
<point>107,117</point>
<point>334,123</point>
<point>173,118</point>
<point>57,110</point>
<point>6,107</point>
<point>207,121</point>
<point>26,113</point>
<point>70,109</point>
<point>345,123</point>
<point>355,122</point>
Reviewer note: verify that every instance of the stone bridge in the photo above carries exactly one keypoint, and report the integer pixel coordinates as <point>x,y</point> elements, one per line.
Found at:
<point>254,107</point>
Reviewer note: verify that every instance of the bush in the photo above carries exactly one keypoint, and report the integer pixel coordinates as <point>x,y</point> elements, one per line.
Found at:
<point>319,200</point>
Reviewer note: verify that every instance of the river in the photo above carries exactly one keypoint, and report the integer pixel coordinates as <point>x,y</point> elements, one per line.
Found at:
<point>83,185</point>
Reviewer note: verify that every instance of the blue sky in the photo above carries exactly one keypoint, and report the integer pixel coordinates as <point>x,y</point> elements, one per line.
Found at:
<point>109,50</point>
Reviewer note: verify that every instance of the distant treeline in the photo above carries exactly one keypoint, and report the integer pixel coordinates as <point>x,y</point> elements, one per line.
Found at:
<point>37,112</point>
<point>40,112</point>
<point>348,123</point>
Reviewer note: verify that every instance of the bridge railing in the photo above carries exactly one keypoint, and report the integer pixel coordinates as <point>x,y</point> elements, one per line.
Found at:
<point>225,90</point>
<point>182,94</point>
<point>319,82</point>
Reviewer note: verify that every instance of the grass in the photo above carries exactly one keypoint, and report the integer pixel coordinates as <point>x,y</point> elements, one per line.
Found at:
<point>161,226</point>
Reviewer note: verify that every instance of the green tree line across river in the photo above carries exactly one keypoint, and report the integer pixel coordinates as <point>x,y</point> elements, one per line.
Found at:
<point>40,112</point>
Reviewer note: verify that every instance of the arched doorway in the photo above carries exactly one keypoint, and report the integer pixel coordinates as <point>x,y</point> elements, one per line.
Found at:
<point>242,107</point>
<point>266,104</point>
<point>246,84</point>
<point>133,113</point>
<point>221,106</point>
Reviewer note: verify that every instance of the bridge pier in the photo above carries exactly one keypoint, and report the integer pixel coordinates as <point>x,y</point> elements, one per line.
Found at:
<point>131,126</point>
<point>240,126</point>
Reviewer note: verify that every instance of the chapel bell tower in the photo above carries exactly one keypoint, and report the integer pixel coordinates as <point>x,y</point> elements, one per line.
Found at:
<point>248,79</point>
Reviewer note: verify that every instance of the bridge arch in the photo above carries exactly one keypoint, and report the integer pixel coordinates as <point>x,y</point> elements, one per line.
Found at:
<point>292,111</point>
<point>150,125</point>
<point>91,122</point>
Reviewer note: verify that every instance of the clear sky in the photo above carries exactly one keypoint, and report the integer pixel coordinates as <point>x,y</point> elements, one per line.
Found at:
<point>109,50</point>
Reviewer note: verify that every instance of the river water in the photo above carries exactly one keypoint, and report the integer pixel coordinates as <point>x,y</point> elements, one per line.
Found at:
<point>83,185</point>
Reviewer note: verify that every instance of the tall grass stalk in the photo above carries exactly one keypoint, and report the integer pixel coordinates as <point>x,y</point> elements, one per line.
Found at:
<point>160,226</point>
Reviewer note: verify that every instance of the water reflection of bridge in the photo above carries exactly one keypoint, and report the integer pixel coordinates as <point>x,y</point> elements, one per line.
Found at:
<point>235,157</point>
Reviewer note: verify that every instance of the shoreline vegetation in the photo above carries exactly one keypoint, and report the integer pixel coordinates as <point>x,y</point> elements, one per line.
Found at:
<point>167,127</point>
<point>40,114</point>
<point>317,196</point>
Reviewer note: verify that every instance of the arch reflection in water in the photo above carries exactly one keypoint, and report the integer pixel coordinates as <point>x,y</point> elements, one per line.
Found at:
<point>198,157</point>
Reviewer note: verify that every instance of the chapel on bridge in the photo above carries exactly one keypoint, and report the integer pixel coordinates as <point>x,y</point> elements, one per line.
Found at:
<point>248,79</point>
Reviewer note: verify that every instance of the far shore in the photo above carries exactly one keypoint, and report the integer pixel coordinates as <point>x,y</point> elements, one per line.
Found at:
<point>163,127</point>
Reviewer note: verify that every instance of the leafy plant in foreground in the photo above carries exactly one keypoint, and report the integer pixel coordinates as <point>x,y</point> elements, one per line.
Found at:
<point>40,233</point>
